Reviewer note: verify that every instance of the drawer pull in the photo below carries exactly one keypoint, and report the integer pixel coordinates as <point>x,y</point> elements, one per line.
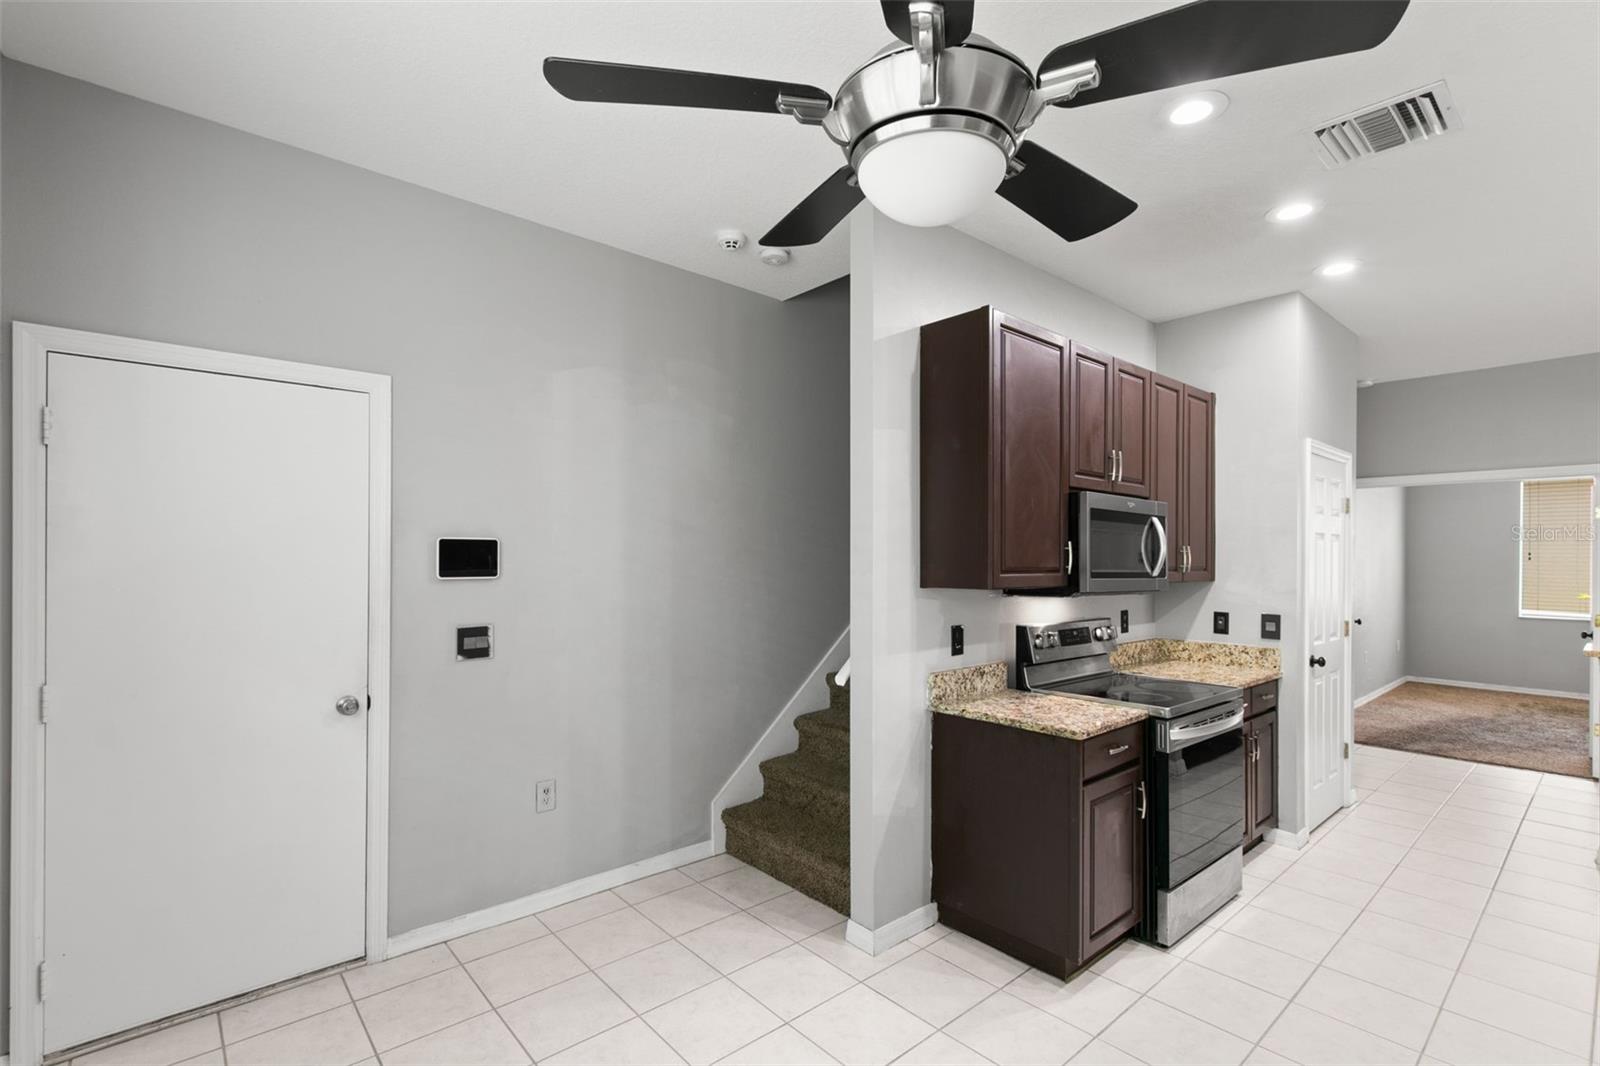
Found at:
<point>1118,750</point>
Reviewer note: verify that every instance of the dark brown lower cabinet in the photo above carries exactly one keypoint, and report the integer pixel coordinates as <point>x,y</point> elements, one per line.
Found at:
<point>1261,762</point>
<point>1038,841</point>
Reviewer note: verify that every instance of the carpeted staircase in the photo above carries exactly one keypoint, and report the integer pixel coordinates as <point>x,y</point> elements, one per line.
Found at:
<point>799,830</point>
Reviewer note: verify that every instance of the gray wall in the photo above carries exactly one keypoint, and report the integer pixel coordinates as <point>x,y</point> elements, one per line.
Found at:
<point>1483,419</point>
<point>665,458</point>
<point>1380,589</point>
<point>902,277</point>
<point>1283,370</point>
<point>1461,595</point>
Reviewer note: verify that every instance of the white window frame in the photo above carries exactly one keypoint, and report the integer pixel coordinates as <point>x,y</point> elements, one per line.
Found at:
<point>1522,555</point>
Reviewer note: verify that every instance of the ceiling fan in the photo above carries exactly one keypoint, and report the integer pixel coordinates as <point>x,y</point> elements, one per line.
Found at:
<point>934,122</point>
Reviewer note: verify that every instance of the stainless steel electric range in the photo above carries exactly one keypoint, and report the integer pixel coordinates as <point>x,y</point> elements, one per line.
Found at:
<point>1194,770</point>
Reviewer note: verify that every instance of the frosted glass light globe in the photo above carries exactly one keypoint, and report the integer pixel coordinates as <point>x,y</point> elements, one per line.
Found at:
<point>932,177</point>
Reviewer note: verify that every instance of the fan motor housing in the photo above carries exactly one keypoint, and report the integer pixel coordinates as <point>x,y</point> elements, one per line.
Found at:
<point>980,88</point>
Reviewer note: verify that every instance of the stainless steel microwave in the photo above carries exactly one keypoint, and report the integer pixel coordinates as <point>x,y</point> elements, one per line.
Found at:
<point>1115,544</point>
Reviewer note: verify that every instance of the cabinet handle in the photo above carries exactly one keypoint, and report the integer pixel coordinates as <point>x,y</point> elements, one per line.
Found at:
<point>1118,750</point>
<point>1069,557</point>
<point>1119,464</point>
<point>1143,806</point>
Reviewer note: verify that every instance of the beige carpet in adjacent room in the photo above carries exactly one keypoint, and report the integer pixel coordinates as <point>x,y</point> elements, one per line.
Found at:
<point>1504,728</point>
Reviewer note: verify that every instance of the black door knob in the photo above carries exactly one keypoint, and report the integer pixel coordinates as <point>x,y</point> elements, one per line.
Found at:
<point>1317,660</point>
<point>1358,621</point>
<point>1587,634</point>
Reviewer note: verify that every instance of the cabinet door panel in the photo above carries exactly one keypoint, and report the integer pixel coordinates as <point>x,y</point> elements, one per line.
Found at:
<point>1166,411</point>
<point>1028,428</point>
<point>1113,858</point>
<point>1089,419</point>
<point>1266,771</point>
<point>1131,428</point>
<point>1198,483</point>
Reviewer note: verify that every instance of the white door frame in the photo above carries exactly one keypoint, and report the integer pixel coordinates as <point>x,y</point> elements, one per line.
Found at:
<point>1346,782</point>
<point>30,345</point>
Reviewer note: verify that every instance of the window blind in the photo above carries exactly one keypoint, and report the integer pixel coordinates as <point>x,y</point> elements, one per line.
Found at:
<point>1557,546</point>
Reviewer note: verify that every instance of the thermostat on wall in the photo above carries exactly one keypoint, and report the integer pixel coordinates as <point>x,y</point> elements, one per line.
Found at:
<point>468,558</point>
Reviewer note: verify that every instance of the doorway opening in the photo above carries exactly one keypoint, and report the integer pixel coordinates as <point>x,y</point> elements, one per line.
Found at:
<point>1474,604</point>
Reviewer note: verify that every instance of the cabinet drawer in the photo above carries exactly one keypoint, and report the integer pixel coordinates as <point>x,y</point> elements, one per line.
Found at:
<point>1109,751</point>
<point>1261,699</point>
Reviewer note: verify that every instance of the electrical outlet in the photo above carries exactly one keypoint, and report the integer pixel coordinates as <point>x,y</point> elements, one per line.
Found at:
<point>1219,621</point>
<point>958,640</point>
<point>1124,621</point>
<point>544,797</point>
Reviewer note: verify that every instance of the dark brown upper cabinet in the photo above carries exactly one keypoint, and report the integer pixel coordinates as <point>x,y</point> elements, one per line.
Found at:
<point>1183,475</point>
<point>1198,485</point>
<point>993,437</point>
<point>1108,410</point>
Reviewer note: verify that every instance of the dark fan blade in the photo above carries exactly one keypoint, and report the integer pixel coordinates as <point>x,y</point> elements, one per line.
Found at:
<point>957,19</point>
<point>815,216</point>
<point>1069,202</point>
<point>1216,38</point>
<point>620,83</point>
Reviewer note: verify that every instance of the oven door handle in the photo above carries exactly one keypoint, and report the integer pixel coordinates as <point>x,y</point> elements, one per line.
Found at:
<point>1204,730</point>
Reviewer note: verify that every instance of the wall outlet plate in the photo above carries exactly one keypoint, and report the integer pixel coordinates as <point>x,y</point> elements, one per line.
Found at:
<point>1124,621</point>
<point>958,640</point>
<point>1271,627</point>
<point>1219,621</point>
<point>544,796</point>
<point>474,642</point>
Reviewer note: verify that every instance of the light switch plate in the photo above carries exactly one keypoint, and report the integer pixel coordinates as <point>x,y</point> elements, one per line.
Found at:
<point>1271,627</point>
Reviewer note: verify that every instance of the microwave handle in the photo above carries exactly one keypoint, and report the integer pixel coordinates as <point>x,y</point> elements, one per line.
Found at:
<point>1161,539</point>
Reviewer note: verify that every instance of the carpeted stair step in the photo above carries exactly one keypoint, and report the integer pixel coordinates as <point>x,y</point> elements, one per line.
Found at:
<point>821,788</point>
<point>825,735</point>
<point>800,850</point>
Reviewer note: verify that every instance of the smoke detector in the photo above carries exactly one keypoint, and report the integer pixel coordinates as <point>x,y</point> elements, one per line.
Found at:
<point>1412,118</point>
<point>775,257</point>
<point>730,240</point>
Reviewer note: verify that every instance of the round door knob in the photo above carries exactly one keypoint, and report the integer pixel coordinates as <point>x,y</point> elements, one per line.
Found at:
<point>348,705</point>
<point>1317,660</point>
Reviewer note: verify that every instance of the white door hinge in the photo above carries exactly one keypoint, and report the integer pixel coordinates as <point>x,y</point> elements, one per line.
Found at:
<point>1347,627</point>
<point>44,703</point>
<point>41,982</point>
<point>1347,751</point>
<point>1596,730</point>
<point>1347,505</point>
<point>47,423</point>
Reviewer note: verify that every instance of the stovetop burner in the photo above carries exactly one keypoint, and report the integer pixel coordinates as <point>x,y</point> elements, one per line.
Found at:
<point>1074,658</point>
<point>1172,697</point>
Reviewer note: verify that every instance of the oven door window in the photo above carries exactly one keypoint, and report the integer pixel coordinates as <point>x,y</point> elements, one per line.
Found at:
<point>1122,543</point>
<point>1204,792</point>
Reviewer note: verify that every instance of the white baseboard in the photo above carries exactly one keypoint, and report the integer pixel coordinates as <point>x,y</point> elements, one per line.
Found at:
<point>1501,688</point>
<point>1375,693</point>
<point>1283,838</point>
<point>745,783</point>
<point>881,939</point>
<point>511,910</point>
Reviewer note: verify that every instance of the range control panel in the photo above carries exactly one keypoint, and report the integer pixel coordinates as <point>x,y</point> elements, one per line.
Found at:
<point>1065,640</point>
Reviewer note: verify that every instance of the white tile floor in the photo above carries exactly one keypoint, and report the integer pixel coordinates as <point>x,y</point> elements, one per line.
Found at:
<point>1452,915</point>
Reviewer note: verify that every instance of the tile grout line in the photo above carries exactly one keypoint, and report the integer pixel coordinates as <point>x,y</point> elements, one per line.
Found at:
<point>1472,939</point>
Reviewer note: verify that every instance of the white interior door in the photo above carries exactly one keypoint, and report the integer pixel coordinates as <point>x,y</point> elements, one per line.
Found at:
<point>206,595</point>
<point>1328,709</point>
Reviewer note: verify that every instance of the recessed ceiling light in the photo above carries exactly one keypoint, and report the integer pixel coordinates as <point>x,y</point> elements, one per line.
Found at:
<point>1292,211</point>
<point>1338,268</point>
<point>1197,107</point>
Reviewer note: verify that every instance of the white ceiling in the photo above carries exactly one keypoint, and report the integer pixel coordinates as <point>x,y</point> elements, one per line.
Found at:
<point>1480,249</point>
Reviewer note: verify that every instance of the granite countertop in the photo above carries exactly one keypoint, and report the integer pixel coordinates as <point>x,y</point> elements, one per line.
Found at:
<point>1205,662</point>
<point>1591,651</point>
<point>980,692</point>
